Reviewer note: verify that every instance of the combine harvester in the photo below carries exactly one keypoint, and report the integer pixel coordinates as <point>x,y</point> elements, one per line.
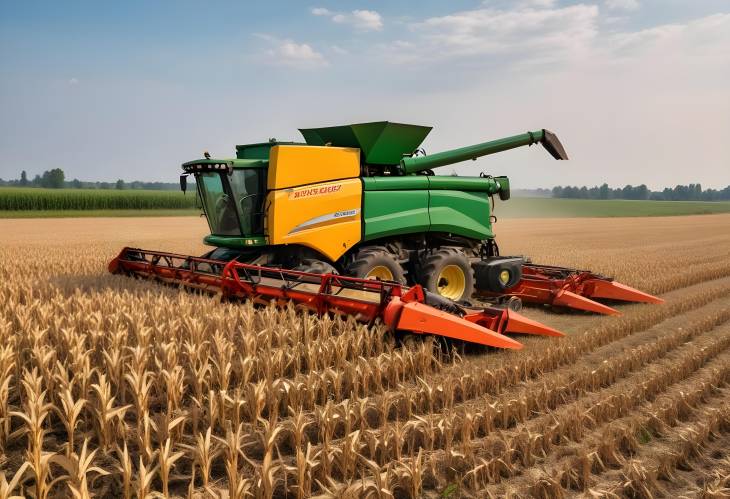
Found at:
<point>355,222</point>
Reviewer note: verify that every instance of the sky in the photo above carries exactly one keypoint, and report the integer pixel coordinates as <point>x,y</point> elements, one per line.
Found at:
<point>637,90</point>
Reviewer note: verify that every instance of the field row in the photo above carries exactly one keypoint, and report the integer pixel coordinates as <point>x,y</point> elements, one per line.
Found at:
<point>121,387</point>
<point>27,199</point>
<point>504,437</point>
<point>155,389</point>
<point>24,202</point>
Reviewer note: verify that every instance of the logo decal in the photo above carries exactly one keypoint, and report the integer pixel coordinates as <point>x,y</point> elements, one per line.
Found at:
<point>314,191</point>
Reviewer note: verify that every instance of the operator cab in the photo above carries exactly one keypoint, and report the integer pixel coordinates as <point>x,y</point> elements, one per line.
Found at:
<point>232,192</point>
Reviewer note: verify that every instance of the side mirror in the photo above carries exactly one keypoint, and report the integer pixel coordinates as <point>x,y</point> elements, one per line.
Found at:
<point>183,183</point>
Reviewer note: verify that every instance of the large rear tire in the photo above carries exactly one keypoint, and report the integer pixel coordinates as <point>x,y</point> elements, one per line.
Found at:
<point>376,263</point>
<point>447,272</point>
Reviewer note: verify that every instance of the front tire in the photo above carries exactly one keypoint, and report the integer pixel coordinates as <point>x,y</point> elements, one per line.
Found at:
<point>376,263</point>
<point>448,273</point>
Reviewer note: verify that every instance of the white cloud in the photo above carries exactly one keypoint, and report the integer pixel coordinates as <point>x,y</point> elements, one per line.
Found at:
<point>561,35</point>
<point>290,53</point>
<point>537,3</point>
<point>622,4</point>
<point>367,19</point>
<point>362,20</point>
<point>73,81</point>
<point>632,106</point>
<point>607,20</point>
<point>534,34</point>
<point>704,39</point>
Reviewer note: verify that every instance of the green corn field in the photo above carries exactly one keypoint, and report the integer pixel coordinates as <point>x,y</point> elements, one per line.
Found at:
<point>22,199</point>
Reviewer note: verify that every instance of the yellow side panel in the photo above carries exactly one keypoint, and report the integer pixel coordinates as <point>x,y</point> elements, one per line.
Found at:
<point>325,216</point>
<point>292,166</point>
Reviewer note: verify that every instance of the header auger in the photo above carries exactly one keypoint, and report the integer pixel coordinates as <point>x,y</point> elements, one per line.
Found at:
<point>354,221</point>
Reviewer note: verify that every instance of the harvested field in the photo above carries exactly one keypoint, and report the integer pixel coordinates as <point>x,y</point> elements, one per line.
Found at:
<point>124,388</point>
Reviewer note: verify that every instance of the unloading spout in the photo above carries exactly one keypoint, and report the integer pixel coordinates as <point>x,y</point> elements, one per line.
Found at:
<point>549,141</point>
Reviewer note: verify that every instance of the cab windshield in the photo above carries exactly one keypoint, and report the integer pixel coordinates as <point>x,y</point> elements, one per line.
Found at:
<point>233,203</point>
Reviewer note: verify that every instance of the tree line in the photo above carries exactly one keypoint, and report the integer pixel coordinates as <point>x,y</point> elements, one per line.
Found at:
<point>691,192</point>
<point>56,179</point>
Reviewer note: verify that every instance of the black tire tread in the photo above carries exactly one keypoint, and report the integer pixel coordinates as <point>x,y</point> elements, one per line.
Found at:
<point>433,261</point>
<point>364,258</point>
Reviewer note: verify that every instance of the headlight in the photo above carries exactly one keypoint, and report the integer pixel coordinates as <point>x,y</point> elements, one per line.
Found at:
<point>504,277</point>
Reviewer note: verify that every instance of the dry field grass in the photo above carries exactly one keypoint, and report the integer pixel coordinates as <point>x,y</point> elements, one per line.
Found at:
<point>122,388</point>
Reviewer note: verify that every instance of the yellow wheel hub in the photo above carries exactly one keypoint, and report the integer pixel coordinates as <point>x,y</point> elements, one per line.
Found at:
<point>451,282</point>
<point>504,277</point>
<point>380,272</point>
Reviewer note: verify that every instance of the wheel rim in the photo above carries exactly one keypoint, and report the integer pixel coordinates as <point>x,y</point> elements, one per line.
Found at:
<point>380,272</point>
<point>451,282</point>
